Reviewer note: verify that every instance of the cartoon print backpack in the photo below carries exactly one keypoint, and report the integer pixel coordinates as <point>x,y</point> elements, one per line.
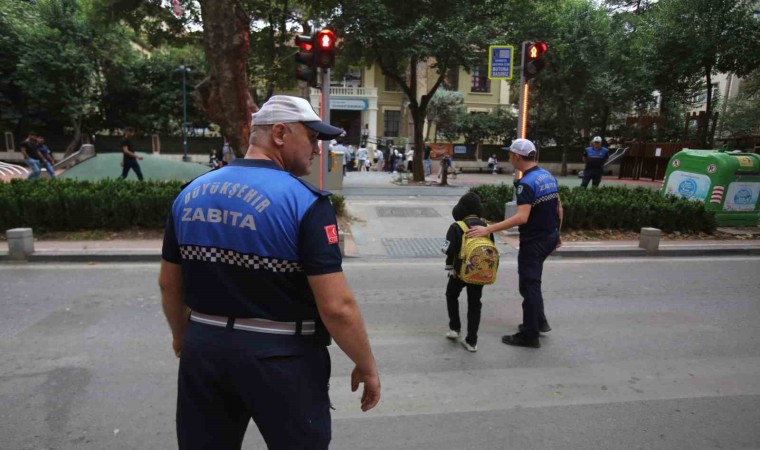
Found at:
<point>480,259</point>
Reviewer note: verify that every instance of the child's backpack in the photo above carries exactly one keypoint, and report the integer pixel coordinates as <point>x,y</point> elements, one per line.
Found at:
<point>480,259</point>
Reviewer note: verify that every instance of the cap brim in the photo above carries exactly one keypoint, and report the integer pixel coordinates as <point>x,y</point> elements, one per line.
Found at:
<point>326,131</point>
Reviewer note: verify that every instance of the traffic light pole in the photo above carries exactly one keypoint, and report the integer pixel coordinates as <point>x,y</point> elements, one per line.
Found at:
<point>522,117</point>
<point>325,110</point>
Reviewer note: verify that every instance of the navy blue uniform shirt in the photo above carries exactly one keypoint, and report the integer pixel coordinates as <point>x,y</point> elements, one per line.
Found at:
<point>595,159</point>
<point>247,235</point>
<point>538,188</point>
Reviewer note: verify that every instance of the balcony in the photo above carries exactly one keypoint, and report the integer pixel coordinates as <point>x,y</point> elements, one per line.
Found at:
<point>349,91</point>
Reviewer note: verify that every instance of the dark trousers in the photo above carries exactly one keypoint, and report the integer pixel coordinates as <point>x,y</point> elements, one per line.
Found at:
<point>474,293</point>
<point>593,175</point>
<point>130,163</point>
<point>228,377</point>
<point>530,267</point>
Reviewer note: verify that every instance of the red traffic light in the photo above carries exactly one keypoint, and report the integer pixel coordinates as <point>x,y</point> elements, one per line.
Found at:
<point>326,39</point>
<point>305,42</point>
<point>536,50</point>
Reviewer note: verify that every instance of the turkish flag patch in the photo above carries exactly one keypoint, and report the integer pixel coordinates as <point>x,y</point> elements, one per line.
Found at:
<point>332,234</point>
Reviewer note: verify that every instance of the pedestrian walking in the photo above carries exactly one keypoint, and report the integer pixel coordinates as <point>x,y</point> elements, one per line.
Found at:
<point>426,160</point>
<point>130,156</point>
<point>539,216</point>
<point>31,155</point>
<point>594,156</point>
<point>253,290</point>
<point>228,154</point>
<point>361,158</point>
<point>46,157</point>
<point>378,160</point>
<point>467,210</point>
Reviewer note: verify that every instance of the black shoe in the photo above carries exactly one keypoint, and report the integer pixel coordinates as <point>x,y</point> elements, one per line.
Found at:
<point>520,340</point>
<point>544,328</point>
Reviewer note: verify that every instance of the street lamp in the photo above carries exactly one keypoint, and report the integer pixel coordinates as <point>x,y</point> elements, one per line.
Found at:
<point>184,69</point>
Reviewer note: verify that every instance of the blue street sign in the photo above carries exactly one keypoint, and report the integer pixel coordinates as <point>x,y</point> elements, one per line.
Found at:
<point>500,62</point>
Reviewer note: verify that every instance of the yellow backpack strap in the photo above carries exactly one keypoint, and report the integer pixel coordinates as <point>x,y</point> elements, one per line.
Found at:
<point>464,228</point>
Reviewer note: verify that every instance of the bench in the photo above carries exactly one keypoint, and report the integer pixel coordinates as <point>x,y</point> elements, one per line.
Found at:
<point>480,166</point>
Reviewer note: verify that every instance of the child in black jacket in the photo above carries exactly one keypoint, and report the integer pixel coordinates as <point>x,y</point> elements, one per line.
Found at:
<point>467,209</point>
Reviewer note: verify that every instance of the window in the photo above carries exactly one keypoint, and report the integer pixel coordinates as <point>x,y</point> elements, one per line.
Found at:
<point>391,120</point>
<point>391,85</point>
<point>480,81</point>
<point>701,97</point>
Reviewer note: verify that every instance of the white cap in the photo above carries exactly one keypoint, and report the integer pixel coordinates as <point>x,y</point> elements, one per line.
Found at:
<point>596,139</point>
<point>287,109</point>
<point>522,147</point>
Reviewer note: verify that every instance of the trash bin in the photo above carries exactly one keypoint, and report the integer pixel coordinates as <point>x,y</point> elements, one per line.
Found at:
<point>728,182</point>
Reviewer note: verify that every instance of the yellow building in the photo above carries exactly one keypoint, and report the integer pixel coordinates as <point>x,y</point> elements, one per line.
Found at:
<point>369,99</point>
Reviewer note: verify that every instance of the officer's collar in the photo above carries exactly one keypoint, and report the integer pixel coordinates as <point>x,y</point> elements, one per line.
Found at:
<point>263,163</point>
<point>527,171</point>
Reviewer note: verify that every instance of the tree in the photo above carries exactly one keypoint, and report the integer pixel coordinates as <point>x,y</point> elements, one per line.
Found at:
<point>742,116</point>
<point>57,64</point>
<point>400,37</point>
<point>577,34</point>
<point>443,109</point>
<point>224,95</point>
<point>721,36</point>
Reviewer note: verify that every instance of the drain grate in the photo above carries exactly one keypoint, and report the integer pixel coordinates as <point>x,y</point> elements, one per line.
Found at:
<point>414,247</point>
<point>400,211</point>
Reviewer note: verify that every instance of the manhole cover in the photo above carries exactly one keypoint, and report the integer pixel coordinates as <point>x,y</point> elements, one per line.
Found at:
<point>414,247</point>
<point>400,211</point>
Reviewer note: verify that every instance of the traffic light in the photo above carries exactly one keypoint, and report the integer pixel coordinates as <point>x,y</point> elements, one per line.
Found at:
<point>325,48</point>
<point>306,59</point>
<point>533,53</point>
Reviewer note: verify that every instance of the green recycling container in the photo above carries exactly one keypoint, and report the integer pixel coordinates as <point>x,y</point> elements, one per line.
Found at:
<point>728,182</point>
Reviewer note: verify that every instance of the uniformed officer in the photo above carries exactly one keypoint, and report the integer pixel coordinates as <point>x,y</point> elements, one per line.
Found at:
<point>251,258</point>
<point>594,157</point>
<point>539,216</point>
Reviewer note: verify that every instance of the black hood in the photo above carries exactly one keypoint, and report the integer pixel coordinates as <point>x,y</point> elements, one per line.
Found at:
<point>468,205</point>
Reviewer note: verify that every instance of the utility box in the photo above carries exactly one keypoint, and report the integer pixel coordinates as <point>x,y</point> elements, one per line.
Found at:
<point>334,180</point>
<point>728,182</point>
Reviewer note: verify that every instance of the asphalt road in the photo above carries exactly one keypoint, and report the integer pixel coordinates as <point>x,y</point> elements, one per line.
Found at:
<point>645,354</point>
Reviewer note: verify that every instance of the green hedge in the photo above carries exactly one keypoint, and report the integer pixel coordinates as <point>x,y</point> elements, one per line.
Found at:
<point>613,208</point>
<point>71,205</point>
<point>68,205</point>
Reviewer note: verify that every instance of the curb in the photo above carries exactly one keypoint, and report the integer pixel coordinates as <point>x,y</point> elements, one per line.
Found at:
<point>569,253</point>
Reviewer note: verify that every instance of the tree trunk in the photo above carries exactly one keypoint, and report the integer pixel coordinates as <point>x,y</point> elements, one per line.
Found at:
<point>418,169</point>
<point>76,123</point>
<point>704,136</point>
<point>224,96</point>
<point>562,120</point>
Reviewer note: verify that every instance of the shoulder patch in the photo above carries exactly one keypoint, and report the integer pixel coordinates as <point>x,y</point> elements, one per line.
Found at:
<point>519,189</point>
<point>332,234</point>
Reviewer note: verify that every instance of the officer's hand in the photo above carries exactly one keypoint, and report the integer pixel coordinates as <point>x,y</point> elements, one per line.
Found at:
<point>477,231</point>
<point>371,393</point>
<point>177,346</point>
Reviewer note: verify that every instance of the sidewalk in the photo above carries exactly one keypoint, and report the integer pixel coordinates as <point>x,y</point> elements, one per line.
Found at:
<point>397,225</point>
<point>150,250</point>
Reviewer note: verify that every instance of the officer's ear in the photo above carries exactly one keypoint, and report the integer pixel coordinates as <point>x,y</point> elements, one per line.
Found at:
<point>278,132</point>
